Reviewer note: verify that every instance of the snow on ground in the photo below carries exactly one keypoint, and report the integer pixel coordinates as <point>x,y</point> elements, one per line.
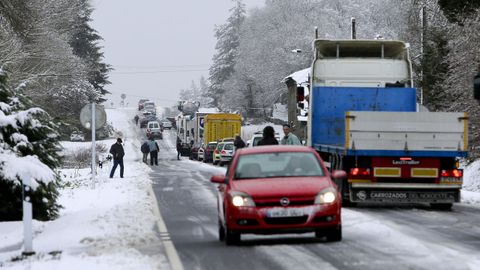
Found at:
<point>471,183</point>
<point>110,226</point>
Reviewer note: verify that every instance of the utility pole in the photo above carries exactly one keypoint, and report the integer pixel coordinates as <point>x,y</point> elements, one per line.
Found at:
<point>423,25</point>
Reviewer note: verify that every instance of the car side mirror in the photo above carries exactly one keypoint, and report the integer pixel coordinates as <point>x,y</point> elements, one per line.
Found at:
<point>339,174</point>
<point>218,179</point>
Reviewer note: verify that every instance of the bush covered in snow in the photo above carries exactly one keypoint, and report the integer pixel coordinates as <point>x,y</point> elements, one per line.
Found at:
<point>28,150</point>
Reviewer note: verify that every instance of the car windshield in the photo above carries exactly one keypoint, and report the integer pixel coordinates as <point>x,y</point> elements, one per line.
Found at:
<point>212,146</point>
<point>256,140</point>
<point>228,146</point>
<point>281,164</point>
<point>220,146</point>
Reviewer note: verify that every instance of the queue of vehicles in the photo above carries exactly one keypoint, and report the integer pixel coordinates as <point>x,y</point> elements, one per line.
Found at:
<point>146,118</point>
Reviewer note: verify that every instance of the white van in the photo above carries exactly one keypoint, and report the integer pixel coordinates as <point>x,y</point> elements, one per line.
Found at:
<point>154,129</point>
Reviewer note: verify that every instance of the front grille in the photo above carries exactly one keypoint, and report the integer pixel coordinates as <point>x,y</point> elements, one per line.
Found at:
<point>285,220</point>
<point>276,202</point>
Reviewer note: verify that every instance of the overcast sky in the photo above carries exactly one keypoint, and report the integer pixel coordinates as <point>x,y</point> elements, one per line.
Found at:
<point>157,47</point>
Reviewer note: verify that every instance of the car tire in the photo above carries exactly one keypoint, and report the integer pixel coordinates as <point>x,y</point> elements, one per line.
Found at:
<point>214,162</point>
<point>441,206</point>
<point>231,238</point>
<point>220,164</point>
<point>221,232</point>
<point>334,234</point>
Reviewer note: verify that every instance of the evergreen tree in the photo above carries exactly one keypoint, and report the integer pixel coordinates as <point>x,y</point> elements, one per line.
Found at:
<point>458,10</point>
<point>224,60</point>
<point>85,45</point>
<point>28,147</point>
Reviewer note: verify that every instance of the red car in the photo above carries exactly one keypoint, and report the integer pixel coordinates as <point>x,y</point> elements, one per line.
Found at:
<point>278,189</point>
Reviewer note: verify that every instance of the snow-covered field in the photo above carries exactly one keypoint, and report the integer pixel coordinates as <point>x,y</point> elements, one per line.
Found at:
<point>106,226</point>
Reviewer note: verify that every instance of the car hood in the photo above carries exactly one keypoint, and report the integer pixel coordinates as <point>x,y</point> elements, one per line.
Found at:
<point>284,186</point>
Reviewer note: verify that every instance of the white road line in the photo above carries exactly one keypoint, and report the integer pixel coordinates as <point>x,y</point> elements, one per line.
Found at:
<point>172,254</point>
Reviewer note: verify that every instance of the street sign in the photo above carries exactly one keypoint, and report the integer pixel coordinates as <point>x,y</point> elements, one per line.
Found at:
<point>86,116</point>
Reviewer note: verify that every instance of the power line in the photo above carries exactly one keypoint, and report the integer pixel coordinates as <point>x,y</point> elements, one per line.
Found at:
<point>156,71</point>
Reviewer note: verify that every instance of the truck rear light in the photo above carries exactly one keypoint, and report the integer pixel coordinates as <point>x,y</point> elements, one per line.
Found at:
<point>360,172</point>
<point>405,158</point>
<point>452,173</point>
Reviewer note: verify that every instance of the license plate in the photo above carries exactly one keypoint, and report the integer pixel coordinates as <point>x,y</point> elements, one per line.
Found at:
<point>285,212</point>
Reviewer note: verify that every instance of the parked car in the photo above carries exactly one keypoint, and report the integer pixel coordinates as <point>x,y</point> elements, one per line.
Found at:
<point>278,189</point>
<point>194,151</point>
<point>185,150</point>
<point>216,153</point>
<point>77,136</point>
<point>154,130</point>
<point>257,136</point>
<point>167,125</point>
<point>227,153</point>
<point>208,151</point>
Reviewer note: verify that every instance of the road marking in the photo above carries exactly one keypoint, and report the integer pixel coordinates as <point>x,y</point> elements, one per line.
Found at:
<point>172,254</point>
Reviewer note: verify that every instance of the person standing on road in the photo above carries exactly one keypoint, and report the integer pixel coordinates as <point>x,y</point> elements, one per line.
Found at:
<point>145,150</point>
<point>238,143</point>
<point>289,138</point>
<point>268,137</point>
<point>153,147</point>
<point>117,153</point>
<point>179,147</point>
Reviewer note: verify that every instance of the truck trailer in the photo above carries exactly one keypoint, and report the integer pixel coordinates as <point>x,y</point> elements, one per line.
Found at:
<point>364,118</point>
<point>221,125</point>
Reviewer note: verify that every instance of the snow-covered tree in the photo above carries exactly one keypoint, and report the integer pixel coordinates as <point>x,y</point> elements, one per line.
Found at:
<point>227,45</point>
<point>28,150</point>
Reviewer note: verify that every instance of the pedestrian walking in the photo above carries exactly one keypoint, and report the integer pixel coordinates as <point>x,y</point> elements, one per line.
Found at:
<point>268,137</point>
<point>117,154</point>
<point>145,150</point>
<point>153,147</point>
<point>179,147</point>
<point>289,138</point>
<point>238,142</point>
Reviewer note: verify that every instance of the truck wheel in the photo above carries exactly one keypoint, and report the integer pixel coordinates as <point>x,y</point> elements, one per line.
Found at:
<point>441,206</point>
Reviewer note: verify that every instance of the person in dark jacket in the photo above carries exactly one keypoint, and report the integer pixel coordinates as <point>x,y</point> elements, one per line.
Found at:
<point>153,146</point>
<point>117,153</point>
<point>145,150</point>
<point>179,147</point>
<point>238,142</point>
<point>268,137</point>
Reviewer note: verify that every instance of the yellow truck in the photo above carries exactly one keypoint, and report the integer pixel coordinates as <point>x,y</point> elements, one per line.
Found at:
<point>221,125</point>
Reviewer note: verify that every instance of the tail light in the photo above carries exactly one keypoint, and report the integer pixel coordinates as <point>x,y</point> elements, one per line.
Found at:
<point>452,173</point>
<point>223,152</point>
<point>360,172</point>
<point>216,152</point>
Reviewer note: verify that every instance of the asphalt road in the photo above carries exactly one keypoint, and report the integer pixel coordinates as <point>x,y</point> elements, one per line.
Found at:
<point>387,237</point>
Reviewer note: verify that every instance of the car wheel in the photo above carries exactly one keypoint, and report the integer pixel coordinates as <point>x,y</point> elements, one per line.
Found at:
<point>221,232</point>
<point>204,160</point>
<point>220,164</point>
<point>335,234</point>
<point>214,162</point>
<point>441,206</point>
<point>231,238</point>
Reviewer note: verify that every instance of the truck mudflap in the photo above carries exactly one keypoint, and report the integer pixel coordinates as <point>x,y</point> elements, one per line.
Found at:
<point>404,193</point>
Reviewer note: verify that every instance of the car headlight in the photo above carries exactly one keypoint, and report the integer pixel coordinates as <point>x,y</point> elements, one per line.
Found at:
<point>240,199</point>
<point>328,195</point>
